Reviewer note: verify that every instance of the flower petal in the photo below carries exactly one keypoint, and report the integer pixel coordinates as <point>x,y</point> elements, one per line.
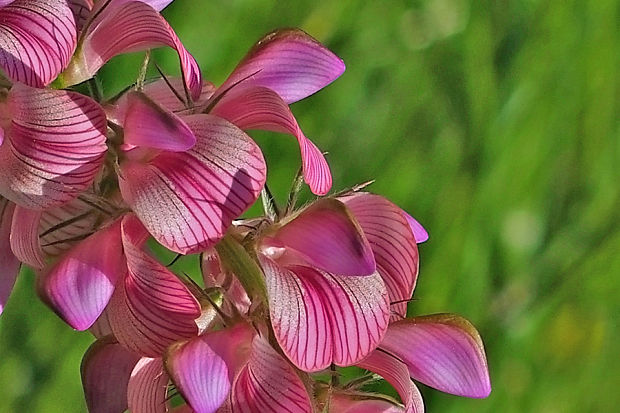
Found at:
<point>106,368</point>
<point>37,40</point>
<point>344,403</point>
<point>81,11</point>
<point>55,146</point>
<point>151,308</point>
<point>124,27</point>
<point>9,264</point>
<point>204,368</point>
<point>319,317</point>
<point>396,373</point>
<point>392,243</point>
<point>188,200</point>
<point>148,387</point>
<point>147,124</point>
<point>79,286</point>
<point>418,230</point>
<point>256,107</point>
<point>268,383</point>
<point>288,61</point>
<point>25,237</point>
<point>328,237</point>
<point>443,351</point>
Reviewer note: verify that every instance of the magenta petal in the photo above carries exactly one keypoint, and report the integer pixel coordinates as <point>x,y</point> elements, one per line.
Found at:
<point>268,384</point>
<point>289,62</point>
<point>37,40</point>
<point>262,108</point>
<point>392,243</point>
<point>54,148</point>
<point>147,124</point>
<point>148,387</point>
<point>188,200</point>
<point>81,283</point>
<point>25,237</point>
<point>9,264</point>
<point>396,373</point>
<point>343,403</point>
<point>62,227</point>
<point>125,27</point>
<point>418,230</point>
<point>81,11</point>
<point>328,236</point>
<point>443,351</point>
<point>170,94</point>
<point>319,317</point>
<point>106,368</point>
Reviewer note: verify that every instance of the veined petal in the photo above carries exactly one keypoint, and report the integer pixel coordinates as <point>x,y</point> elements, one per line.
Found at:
<point>25,237</point>
<point>62,227</point>
<point>123,27</point>
<point>81,11</point>
<point>268,384</point>
<point>37,40</point>
<point>106,368</point>
<point>443,351</point>
<point>54,148</point>
<point>328,237</point>
<point>418,230</point>
<point>289,62</point>
<point>396,373</point>
<point>257,107</point>
<point>148,124</point>
<point>151,308</point>
<point>148,387</point>
<point>158,5</point>
<point>343,403</point>
<point>204,368</point>
<point>9,264</point>
<point>393,245</point>
<point>319,318</point>
<point>79,286</point>
<point>188,200</point>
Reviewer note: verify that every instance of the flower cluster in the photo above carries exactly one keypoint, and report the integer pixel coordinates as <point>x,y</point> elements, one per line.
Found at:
<point>286,299</point>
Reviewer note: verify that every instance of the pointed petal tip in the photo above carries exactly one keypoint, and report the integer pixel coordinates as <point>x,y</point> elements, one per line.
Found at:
<point>420,234</point>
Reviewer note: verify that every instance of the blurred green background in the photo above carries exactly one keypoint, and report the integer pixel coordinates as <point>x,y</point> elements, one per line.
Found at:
<point>495,123</point>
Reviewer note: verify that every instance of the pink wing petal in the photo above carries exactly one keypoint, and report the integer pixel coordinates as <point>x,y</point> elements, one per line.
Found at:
<point>147,124</point>
<point>106,368</point>
<point>124,27</point>
<point>256,107</point>
<point>204,368</point>
<point>289,62</point>
<point>328,237</point>
<point>319,317</point>
<point>396,373</point>
<point>343,403</point>
<point>188,200</point>
<point>156,4</point>
<point>9,264</point>
<point>148,387</point>
<point>55,146</point>
<point>81,11</point>
<point>81,283</point>
<point>25,237</point>
<point>152,308</point>
<point>268,384</point>
<point>392,243</point>
<point>443,351</point>
<point>37,40</point>
<point>418,230</point>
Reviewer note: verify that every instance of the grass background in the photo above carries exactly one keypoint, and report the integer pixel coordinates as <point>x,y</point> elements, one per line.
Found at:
<point>495,123</point>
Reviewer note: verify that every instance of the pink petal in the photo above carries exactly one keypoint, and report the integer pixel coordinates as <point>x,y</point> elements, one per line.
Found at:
<point>160,92</point>
<point>328,237</point>
<point>396,373</point>
<point>392,243</point>
<point>319,317</point>
<point>418,230</point>
<point>81,11</point>
<point>25,237</point>
<point>443,351</point>
<point>158,5</point>
<point>124,27</point>
<point>37,40</point>
<point>148,387</point>
<point>204,368</point>
<point>268,384</point>
<point>81,283</point>
<point>188,200</point>
<point>344,403</point>
<point>148,124</point>
<point>256,107</point>
<point>289,62</point>
<point>152,308</point>
<point>9,264</point>
<point>54,148</point>
<point>214,276</point>
<point>106,368</point>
